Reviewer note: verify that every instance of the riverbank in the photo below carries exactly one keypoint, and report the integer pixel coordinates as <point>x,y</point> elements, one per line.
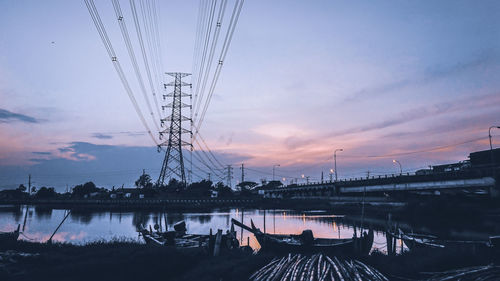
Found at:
<point>341,204</point>
<point>373,206</point>
<point>123,260</point>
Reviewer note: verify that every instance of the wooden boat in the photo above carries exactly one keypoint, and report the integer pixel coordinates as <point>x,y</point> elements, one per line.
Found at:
<point>179,238</point>
<point>10,237</point>
<point>424,241</point>
<point>307,243</point>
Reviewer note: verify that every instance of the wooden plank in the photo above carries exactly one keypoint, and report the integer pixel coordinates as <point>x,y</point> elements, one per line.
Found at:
<point>218,239</point>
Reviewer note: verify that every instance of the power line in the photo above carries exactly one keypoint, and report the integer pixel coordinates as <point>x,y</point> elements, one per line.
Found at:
<point>130,50</point>
<point>205,49</point>
<point>112,55</point>
<point>225,47</point>
<point>151,27</point>
<point>201,15</point>
<point>144,54</point>
<point>220,16</point>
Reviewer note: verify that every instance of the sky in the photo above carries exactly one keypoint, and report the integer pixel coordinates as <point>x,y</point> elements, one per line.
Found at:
<point>415,81</point>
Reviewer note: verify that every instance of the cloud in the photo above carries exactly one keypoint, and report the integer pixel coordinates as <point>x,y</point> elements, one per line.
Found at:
<point>469,123</point>
<point>105,165</point>
<point>41,152</point>
<point>110,135</point>
<point>459,105</point>
<point>101,136</point>
<point>8,116</point>
<point>133,134</point>
<point>65,149</point>
<point>429,75</point>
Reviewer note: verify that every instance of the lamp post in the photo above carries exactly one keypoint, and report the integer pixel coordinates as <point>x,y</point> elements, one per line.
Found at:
<point>306,177</point>
<point>491,146</point>
<point>274,167</point>
<point>489,135</point>
<point>400,168</point>
<point>335,161</point>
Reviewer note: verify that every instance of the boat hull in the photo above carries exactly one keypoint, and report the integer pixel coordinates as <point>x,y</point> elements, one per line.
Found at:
<point>337,247</point>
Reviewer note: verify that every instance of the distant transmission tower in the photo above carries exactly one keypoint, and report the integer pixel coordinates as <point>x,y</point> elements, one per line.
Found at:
<point>173,163</point>
<point>229,175</point>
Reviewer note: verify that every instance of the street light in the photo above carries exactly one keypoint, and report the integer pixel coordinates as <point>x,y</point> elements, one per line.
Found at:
<point>489,134</point>
<point>491,146</point>
<point>274,167</point>
<point>305,177</point>
<point>400,168</point>
<point>335,161</point>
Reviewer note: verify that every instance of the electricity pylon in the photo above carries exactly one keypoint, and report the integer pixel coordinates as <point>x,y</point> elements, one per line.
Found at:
<point>173,163</point>
<point>229,175</point>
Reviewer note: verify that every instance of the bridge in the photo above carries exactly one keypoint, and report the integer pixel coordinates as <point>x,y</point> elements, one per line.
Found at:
<point>477,182</point>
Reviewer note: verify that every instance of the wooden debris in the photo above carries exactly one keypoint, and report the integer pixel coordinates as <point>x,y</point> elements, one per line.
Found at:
<point>488,272</point>
<point>318,267</point>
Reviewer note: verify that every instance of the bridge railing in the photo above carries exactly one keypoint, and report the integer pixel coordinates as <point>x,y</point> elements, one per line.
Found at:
<point>404,178</point>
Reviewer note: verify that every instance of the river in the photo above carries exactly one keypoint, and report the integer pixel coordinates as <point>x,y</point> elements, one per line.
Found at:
<point>82,227</point>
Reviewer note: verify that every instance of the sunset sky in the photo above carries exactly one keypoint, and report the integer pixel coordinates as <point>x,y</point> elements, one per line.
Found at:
<point>416,81</point>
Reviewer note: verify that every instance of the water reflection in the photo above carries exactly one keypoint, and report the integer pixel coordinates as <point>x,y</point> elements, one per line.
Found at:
<point>43,213</point>
<point>90,226</point>
<point>82,217</point>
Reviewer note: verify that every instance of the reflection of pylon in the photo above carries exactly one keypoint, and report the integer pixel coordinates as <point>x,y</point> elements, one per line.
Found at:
<point>173,163</point>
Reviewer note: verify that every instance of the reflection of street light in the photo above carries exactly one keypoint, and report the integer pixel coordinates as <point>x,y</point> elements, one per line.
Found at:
<point>274,167</point>
<point>400,168</point>
<point>331,174</point>
<point>335,160</point>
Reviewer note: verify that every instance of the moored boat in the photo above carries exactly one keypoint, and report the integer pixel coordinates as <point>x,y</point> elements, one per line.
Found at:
<point>307,243</point>
<point>180,239</point>
<point>10,237</point>
<point>424,241</point>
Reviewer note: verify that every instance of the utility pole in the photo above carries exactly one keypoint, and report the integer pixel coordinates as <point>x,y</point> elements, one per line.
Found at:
<point>400,167</point>
<point>173,163</point>
<point>229,175</point>
<point>29,184</point>
<point>335,161</point>
<point>242,172</point>
<point>274,168</point>
<point>321,176</point>
<point>491,146</point>
<point>208,176</point>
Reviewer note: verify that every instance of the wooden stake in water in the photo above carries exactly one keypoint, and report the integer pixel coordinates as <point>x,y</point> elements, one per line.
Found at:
<point>65,217</point>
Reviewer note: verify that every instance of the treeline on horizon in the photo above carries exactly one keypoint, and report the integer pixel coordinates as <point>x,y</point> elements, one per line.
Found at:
<point>144,188</point>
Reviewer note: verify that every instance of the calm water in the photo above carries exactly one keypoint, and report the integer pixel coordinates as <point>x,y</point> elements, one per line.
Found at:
<point>81,227</point>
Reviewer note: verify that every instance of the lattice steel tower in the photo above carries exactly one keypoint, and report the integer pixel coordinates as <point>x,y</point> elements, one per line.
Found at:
<point>173,163</point>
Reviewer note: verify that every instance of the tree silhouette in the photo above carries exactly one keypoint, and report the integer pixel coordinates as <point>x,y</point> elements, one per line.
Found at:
<point>81,190</point>
<point>45,192</point>
<point>247,185</point>
<point>144,181</point>
<point>22,187</point>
